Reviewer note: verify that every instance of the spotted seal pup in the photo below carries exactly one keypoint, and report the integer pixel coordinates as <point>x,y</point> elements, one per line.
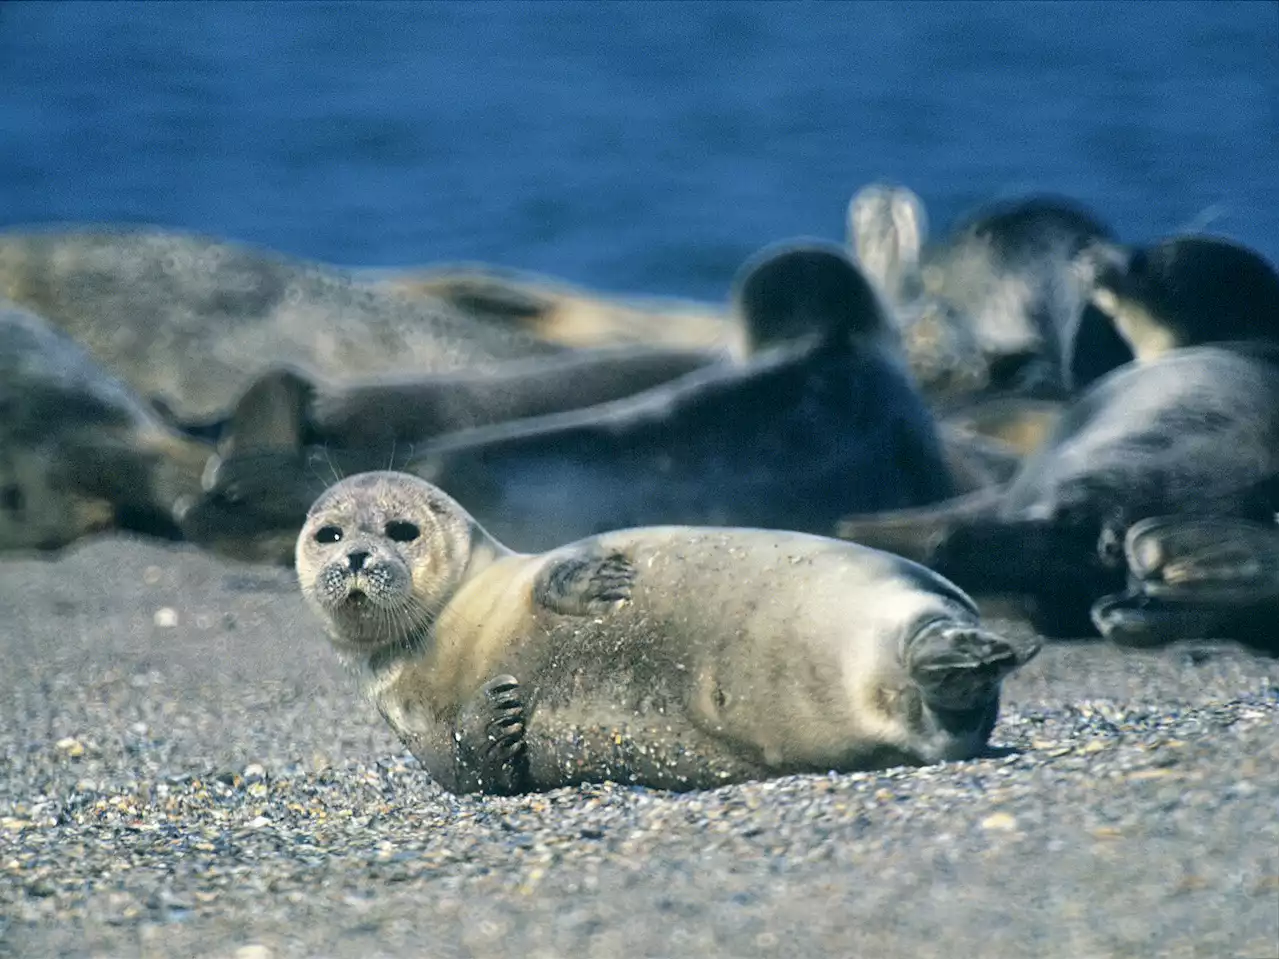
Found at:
<point>673,657</point>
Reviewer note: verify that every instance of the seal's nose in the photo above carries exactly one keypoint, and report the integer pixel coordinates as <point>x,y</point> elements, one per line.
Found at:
<point>356,558</point>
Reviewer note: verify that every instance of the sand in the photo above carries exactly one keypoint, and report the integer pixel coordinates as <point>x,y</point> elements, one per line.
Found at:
<point>188,772</point>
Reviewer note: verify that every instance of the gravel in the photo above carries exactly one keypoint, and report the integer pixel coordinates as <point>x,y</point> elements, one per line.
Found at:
<point>186,771</point>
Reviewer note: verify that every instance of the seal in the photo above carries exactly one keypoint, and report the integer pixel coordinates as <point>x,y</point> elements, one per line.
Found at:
<point>822,420</point>
<point>79,451</point>
<point>1001,304</point>
<point>671,657</point>
<point>559,312</point>
<point>1177,449</point>
<point>1183,291</point>
<point>288,408</point>
<point>1191,434</point>
<point>190,320</point>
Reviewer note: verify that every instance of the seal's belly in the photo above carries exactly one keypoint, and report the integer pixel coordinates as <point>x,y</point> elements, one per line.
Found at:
<point>740,651</point>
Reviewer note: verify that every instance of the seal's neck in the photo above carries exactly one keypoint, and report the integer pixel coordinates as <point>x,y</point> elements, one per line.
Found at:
<point>383,664</point>
<point>482,552</point>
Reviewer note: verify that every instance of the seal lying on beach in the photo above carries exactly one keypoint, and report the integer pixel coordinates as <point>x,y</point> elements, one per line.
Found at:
<point>822,421</point>
<point>79,452</point>
<point>1188,431</point>
<point>1000,304</point>
<point>189,320</point>
<point>672,657</point>
<point>1191,578</point>
<point>557,312</point>
<point>287,408</point>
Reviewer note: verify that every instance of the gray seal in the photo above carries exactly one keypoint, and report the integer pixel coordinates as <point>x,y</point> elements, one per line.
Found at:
<point>80,452</point>
<point>671,657</point>
<point>1176,451</point>
<point>190,320</point>
<point>559,312</point>
<point>1185,290</point>
<point>288,408</point>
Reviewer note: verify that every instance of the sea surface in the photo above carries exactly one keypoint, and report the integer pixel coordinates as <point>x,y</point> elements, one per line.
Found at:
<point>640,147</point>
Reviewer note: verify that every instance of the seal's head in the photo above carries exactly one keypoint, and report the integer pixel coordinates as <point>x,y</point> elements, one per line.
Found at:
<point>378,557</point>
<point>1184,291</point>
<point>811,289</point>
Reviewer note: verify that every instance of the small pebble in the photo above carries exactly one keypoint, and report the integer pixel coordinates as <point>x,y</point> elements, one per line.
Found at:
<point>999,822</point>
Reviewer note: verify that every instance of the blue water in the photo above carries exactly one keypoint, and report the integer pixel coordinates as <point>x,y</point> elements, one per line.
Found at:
<point>633,146</point>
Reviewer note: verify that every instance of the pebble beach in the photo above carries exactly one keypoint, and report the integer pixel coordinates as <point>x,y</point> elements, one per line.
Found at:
<point>187,771</point>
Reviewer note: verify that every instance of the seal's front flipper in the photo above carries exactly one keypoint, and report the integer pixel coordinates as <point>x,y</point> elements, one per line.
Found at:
<point>1135,620</point>
<point>489,731</point>
<point>585,583</point>
<point>959,666</point>
<point>916,532</point>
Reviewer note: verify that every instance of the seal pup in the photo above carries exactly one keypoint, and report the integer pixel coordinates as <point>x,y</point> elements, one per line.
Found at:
<point>1195,578</point>
<point>821,421</point>
<point>559,312</point>
<point>1000,304</point>
<point>671,657</point>
<point>190,320</point>
<point>79,451</point>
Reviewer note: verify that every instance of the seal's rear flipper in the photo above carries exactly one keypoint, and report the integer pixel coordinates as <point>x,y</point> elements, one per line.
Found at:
<point>887,230</point>
<point>584,583</point>
<point>1132,619</point>
<point>959,666</point>
<point>1214,559</point>
<point>1136,620</point>
<point>806,288</point>
<point>1195,578</point>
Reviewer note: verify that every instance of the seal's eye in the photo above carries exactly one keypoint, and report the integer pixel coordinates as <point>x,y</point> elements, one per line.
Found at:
<point>328,534</point>
<point>401,531</point>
